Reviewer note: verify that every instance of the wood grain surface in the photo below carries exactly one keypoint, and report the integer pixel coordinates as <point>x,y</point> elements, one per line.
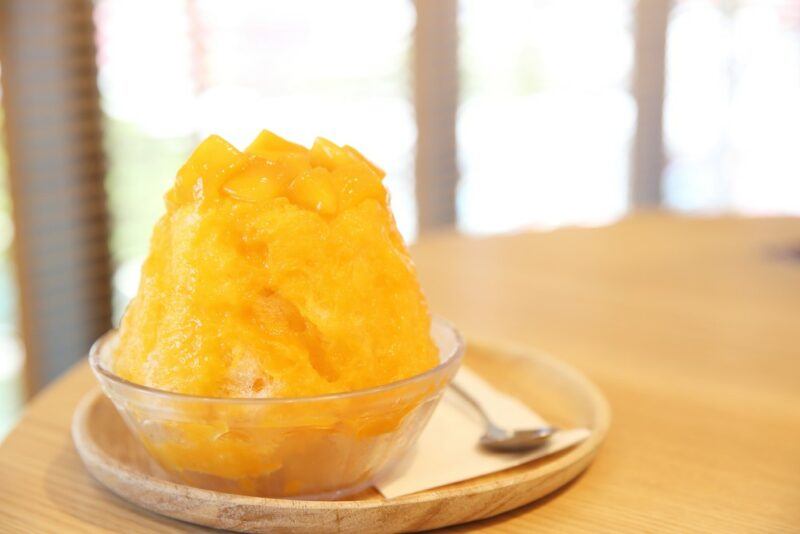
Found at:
<point>691,328</point>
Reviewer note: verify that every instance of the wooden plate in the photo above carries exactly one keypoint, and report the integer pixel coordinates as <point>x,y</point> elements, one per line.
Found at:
<point>558,392</point>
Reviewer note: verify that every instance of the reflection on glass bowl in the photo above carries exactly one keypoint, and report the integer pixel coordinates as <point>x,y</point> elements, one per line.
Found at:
<point>322,447</point>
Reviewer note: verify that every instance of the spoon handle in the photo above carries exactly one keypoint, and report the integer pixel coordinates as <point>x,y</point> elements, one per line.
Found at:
<point>472,401</point>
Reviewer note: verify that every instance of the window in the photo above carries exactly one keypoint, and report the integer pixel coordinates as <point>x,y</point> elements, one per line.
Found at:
<point>11,353</point>
<point>732,110</point>
<point>546,118</point>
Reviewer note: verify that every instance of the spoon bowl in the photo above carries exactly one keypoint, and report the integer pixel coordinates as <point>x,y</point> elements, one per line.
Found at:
<point>501,440</point>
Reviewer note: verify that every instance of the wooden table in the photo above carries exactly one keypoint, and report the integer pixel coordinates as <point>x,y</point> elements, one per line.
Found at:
<point>690,327</point>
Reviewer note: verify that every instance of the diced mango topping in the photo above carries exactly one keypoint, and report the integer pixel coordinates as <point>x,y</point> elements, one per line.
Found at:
<point>358,156</point>
<point>210,164</point>
<point>268,143</point>
<point>261,180</point>
<point>356,182</point>
<point>327,154</point>
<point>275,272</point>
<point>314,191</point>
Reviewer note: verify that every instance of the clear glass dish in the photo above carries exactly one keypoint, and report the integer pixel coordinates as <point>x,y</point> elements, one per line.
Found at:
<point>322,447</point>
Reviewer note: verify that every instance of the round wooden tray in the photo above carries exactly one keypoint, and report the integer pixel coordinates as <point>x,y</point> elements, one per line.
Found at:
<point>555,390</point>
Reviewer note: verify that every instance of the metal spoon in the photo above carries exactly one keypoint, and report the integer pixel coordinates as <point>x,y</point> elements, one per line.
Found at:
<point>501,439</point>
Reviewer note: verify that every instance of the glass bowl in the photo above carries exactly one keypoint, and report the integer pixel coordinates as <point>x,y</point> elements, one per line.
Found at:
<point>322,447</point>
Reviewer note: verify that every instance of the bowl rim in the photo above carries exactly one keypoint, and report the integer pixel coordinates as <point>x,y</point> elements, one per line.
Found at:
<point>450,360</point>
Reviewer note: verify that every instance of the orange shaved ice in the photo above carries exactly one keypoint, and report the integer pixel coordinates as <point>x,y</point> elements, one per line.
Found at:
<point>275,272</point>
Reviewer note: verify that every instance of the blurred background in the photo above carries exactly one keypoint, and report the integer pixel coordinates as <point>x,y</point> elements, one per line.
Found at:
<point>488,115</point>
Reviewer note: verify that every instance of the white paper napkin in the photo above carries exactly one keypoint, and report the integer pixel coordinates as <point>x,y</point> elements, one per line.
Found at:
<point>448,450</point>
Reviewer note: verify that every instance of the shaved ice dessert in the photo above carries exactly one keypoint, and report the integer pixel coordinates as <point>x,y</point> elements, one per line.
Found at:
<point>279,343</point>
<point>275,272</point>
